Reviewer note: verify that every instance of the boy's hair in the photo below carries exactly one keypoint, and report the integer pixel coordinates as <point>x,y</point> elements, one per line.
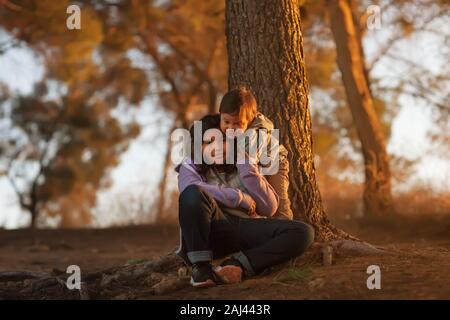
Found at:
<point>240,101</point>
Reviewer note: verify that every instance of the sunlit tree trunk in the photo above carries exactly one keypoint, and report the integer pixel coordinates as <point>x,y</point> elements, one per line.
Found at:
<point>212,92</point>
<point>265,53</point>
<point>180,121</point>
<point>163,182</point>
<point>377,188</point>
<point>33,221</point>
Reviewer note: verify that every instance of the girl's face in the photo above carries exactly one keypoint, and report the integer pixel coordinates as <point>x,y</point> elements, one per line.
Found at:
<point>214,151</point>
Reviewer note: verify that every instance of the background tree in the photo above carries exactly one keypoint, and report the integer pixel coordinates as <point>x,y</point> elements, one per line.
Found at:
<point>182,45</point>
<point>63,136</point>
<point>174,43</point>
<point>192,65</point>
<point>401,22</point>
<point>350,58</point>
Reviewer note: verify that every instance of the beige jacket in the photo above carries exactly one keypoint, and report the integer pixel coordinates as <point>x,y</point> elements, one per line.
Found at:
<point>280,180</point>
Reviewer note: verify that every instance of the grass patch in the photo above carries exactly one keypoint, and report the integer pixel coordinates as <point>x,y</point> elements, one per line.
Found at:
<point>294,274</point>
<point>136,261</point>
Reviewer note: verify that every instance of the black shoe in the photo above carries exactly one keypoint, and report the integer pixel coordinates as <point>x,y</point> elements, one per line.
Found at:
<point>203,275</point>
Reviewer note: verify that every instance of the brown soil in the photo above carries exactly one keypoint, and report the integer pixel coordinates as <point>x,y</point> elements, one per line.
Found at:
<point>417,269</point>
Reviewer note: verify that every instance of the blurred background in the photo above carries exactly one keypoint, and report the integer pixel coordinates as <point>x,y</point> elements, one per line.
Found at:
<point>86,114</point>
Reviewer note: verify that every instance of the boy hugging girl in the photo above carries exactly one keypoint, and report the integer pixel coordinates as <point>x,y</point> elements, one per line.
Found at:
<point>219,204</point>
<point>238,114</point>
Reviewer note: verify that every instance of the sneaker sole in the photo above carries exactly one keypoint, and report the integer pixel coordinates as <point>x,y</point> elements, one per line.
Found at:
<point>229,274</point>
<point>205,284</point>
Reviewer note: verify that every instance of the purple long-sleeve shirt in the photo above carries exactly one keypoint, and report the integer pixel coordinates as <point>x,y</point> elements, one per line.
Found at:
<point>257,186</point>
<point>259,191</point>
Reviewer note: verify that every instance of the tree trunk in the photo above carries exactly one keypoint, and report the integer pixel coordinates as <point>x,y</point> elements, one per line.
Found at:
<point>265,53</point>
<point>212,92</point>
<point>163,182</point>
<point>377,188</point>
<point>182,121</point>
<point>32,207</point>
<point>33,222</point>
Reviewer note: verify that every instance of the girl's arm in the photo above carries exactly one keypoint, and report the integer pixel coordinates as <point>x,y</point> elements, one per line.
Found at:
<point>230,197</point>
<point>259,189</point>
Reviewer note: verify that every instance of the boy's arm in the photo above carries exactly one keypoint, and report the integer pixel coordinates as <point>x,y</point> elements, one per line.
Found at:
<point>264,124</point>
<point>259,189</point>
<point>230,197</point>
<point>261,143</point>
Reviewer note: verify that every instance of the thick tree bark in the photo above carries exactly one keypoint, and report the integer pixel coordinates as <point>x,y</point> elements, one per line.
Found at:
<point>377,188</point>
<point>265,53</point>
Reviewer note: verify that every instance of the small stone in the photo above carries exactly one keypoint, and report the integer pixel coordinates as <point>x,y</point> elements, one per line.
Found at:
<point>170,284</point>
<point>27,282</point>
<point>107,279</point>
<point>316,283</point>
<point>156,276</point>
<point>39,248</point>
<point>182,272</point>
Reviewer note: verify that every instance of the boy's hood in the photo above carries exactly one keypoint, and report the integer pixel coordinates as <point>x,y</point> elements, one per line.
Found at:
<point>262,122</point>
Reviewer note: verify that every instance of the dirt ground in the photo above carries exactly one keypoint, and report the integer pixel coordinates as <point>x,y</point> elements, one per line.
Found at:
<point>418,267</point>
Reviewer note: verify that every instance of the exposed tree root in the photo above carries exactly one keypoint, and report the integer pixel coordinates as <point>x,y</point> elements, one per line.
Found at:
<point>163,275</point>
<point>326,252</point>
<point>20,275</point>
<point>351,247</point>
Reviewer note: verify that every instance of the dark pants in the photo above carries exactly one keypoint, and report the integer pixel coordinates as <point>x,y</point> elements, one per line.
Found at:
<point>209,233</point>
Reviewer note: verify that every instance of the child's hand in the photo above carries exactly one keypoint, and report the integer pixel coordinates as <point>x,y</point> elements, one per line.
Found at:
<point>249,205</point>
<point>252,209</point>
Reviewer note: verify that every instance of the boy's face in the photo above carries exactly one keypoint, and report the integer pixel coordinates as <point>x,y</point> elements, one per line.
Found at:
<point>230,121</point>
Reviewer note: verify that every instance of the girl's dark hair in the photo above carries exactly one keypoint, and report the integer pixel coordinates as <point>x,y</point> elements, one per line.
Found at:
<point>211,121</point>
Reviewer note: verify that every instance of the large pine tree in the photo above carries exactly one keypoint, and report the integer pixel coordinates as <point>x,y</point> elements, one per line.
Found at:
<point>265,53</point>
